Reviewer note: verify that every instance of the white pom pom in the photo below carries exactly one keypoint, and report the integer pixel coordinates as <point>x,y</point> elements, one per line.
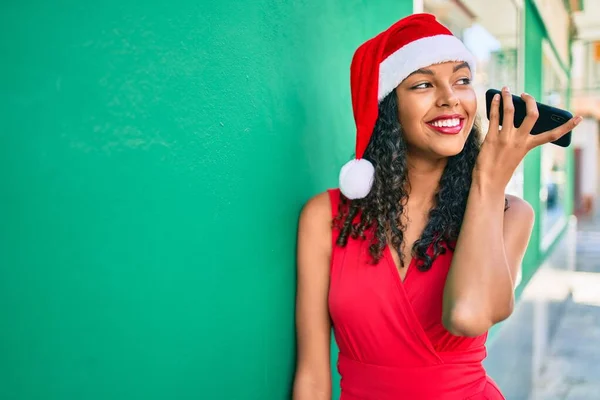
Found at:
<point>356,178</point>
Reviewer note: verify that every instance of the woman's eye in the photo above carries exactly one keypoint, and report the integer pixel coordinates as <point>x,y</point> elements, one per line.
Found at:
<point>464,81</point>
<point>423,85</point>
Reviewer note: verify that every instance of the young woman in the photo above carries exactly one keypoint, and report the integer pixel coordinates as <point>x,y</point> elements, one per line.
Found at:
<point>414,257</point>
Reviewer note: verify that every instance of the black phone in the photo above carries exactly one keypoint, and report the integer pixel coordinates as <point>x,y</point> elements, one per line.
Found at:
<point>550,117</point>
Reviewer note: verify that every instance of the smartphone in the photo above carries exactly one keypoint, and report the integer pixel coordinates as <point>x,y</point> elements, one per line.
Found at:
<point>550,117</point>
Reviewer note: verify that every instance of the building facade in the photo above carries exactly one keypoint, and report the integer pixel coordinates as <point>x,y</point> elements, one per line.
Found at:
<point>586,102</point>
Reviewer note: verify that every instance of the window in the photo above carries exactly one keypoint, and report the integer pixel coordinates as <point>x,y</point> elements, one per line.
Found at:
<point>554,158</point>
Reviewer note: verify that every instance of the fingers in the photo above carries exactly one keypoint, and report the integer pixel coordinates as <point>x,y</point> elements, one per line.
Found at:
<point>532,114</point>
<point>495,113</point>
<point>556,133</point>
<point>509,109</point>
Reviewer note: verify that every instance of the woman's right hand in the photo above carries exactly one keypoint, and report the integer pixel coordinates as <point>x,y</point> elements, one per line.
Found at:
<point>505,147</point>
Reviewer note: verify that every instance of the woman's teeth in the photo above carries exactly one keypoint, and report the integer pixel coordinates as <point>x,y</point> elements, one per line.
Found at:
<point>441,123</point>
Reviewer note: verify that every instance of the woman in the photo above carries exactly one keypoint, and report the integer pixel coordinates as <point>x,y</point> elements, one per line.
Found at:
<point>414,258</point>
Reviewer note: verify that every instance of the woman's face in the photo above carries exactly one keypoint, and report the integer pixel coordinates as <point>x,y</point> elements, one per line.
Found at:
<point>437,108</point>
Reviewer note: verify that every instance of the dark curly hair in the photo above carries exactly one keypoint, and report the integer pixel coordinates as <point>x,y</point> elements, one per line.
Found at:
<point>383,206</point>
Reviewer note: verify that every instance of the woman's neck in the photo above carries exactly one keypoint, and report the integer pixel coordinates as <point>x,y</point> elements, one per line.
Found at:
<point>424,177</point>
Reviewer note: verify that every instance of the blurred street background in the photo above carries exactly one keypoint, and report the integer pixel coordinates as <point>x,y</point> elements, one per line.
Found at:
<point>154,158</point>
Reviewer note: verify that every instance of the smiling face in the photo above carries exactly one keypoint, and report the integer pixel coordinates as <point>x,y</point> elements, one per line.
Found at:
<point>436,109</point>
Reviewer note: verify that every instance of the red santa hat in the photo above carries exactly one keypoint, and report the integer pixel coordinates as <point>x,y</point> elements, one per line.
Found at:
<point>378,67</point>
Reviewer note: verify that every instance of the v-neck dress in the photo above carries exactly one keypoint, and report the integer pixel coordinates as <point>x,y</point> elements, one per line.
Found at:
<point>392,344</point>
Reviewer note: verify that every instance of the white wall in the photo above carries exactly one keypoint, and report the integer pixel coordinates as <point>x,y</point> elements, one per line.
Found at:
<point>556,19</point>
<point>585,137</point>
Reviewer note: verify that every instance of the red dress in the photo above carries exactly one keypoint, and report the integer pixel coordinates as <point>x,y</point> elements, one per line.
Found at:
<point>392,344</point>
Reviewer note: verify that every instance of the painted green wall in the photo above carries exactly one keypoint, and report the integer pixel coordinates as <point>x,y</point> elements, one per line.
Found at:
<point>535,33</point>
<point>154,160</point>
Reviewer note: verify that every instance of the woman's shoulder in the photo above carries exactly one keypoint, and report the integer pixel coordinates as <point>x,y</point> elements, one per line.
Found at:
<point>519,216</point>
<point>315,224</point>
<point>517,207</point>
<point>320,206</point>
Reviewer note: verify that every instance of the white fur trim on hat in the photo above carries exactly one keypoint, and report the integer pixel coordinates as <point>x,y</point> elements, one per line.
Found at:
<point>356,178</point>
<point>419,54</point>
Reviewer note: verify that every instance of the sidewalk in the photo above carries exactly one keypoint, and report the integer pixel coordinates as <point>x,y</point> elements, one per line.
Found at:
<point>549,349</point>
<point>571,368</point>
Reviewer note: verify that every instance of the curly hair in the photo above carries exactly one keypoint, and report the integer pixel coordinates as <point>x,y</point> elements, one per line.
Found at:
<point>380,211</point>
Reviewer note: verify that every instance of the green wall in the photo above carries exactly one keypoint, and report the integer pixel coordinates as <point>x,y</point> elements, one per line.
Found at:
<point>154,159</point>
<point>535,33</point>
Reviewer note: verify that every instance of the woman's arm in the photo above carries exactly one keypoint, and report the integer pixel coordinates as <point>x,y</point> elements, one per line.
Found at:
<point>313,375</point>
<point>479,289</point>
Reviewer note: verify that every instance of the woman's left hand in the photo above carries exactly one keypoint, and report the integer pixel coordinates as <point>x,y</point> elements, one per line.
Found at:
<point>504,148</point>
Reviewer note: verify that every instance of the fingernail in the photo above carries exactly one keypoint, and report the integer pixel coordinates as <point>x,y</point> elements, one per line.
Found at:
<point>578,120</point>
<point>506,89</point>
<point>496,97</point>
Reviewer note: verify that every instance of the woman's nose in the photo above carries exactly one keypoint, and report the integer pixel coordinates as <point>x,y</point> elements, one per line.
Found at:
<point>447,98</point>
